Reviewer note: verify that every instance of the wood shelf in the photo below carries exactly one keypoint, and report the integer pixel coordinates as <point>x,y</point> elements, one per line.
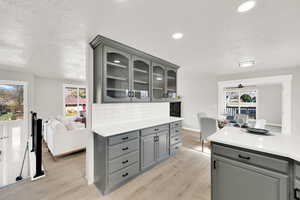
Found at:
<point>116,65</point>
<point>141,82</point>
<point>140,70</point>
<point>117,78</point>
<point>117,89</point>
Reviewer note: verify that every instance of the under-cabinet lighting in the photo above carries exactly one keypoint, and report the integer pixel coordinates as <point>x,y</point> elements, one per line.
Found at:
<point>117,61</point>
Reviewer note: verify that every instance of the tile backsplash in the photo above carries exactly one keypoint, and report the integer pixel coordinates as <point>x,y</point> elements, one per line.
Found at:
<point>127,112</point>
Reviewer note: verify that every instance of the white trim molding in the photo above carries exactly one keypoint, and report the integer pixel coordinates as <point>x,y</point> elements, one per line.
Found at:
<point>284,80</point>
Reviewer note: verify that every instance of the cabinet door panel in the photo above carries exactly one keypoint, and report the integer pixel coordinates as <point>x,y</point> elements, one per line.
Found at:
<point>141,80</point>
<point>158,83</point>
<point>237,181</point>
<point>171,84</point>
<point>163,145</point>
<point>148,157</point>
<point>116,84</point>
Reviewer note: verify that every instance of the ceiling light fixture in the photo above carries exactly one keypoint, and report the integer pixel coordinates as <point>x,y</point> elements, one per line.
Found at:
<point>177,36</point>
<point>246,63</point>
<point>246,6</point>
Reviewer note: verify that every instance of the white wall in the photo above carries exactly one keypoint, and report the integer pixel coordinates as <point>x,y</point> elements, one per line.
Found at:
<point>269,103</point>
<point>49,96</point>
<point>295,89</point>
<point>200,94</point>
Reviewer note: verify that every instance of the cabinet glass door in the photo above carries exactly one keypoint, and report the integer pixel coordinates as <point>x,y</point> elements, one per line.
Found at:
<point>116,76</point>
<point>141,79</point>
<point>158,82</point>
<point>171,84</point>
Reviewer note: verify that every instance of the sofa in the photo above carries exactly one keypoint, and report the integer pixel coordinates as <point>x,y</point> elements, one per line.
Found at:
<point>64,136</point>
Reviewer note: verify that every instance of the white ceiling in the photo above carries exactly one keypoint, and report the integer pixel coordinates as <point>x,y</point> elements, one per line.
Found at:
<point>50,38</point>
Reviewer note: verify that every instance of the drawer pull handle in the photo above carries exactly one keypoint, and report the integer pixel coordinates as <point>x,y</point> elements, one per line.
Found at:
<point>296,190</point>
<point>244,157</point>
<point>124,175</point>
<point>126,161</point>
<point>125,138</point>
<point>156,129</point>
<point>176,147</point>
<point>176,139</point>
<point>124,149</point>
<point>177,131</point>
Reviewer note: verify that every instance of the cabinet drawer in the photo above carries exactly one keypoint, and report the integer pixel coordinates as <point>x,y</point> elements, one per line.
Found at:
<point>175,131</point>
<point>123,174</point>
<point>123,161</point>
<point>175,139</point>
<point>252,158</point>
<point>297,171</point>
<point>175,148</point>
<point>154,129</point>
<point>123,148</point>
<point>123,138</point>
<point>176,124</point>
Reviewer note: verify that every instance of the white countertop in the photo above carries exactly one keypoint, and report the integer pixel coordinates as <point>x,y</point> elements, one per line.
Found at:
<point>118,128</point>
<point>281,145</point>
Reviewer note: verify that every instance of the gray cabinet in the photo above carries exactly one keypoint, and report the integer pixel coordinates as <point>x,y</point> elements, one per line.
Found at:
<point>155,145</point>
<point>239,174</point>
<point>171,82</point>
<point>233,180</point>
<point>148,151</point>
<point>121,157</point>
<point>163,146</point>
<point>124,74</point>
<point>140,79</point>
<point>116,84</point>
<point>296,190</point>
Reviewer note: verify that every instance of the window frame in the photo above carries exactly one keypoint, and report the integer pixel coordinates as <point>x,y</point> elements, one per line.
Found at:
<point>78,87</point>
<point>240,105</point>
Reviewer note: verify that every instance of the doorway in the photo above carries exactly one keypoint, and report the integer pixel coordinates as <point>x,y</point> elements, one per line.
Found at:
<point>13,130</point>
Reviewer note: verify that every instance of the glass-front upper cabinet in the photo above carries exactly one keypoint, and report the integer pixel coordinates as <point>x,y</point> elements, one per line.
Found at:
<point>158,83</point>
<point>171,84</point>
<point>116,85</point>
<point>141,80</point>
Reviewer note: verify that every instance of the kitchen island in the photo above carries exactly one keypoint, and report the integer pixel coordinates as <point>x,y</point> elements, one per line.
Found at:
<point>245,166</point>
<point>123,151</point>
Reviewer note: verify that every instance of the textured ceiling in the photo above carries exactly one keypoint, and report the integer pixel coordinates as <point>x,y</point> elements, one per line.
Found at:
<point>50,38</point>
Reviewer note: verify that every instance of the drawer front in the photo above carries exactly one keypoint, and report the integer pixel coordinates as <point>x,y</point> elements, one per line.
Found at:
<point>297,171</point>
<point>252,158</point>
<point>123,138</point>
<point>123,161</point>
<point>155,129</point>
<point>123,174</point>
<point>175,139</point>
<point>176,124</point>
<point>297,189</point>
<point>175,131</point>
<point>175,148</point>
<point>123,148</point>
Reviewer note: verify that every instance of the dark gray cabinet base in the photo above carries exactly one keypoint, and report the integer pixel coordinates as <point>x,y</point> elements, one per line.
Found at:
<point>240,174</point>
<point>120,158</point>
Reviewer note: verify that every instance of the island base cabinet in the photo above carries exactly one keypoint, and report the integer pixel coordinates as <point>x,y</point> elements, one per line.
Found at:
<point>233,180</point>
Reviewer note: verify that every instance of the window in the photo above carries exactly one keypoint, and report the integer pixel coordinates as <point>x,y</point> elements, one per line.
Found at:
<point>11,102</point>
<point>241,101</point>
<point>75,101</point>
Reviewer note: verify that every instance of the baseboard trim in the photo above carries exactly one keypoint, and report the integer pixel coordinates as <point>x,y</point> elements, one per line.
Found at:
<point>191,129</point>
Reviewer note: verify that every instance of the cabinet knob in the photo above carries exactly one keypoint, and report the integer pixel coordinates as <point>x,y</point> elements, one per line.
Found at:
<point>124,175</point>
<point>296,191</point>
<point>244,157</point>
<point>126,148</point>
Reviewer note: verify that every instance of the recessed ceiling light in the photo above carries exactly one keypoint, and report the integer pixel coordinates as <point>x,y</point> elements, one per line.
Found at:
<point>117,61</point>
<point>177,36</point>
<point>246,6</point>
<point>246,63</point>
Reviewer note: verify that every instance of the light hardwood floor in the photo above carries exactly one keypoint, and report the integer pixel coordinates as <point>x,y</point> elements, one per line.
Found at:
<point>184,176</point>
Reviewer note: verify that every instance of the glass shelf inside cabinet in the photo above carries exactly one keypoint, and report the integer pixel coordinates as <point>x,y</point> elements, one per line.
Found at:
<point>141,71</point>
<point>158,82</point>
<point>117,75</point>
<point>171,83</point>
